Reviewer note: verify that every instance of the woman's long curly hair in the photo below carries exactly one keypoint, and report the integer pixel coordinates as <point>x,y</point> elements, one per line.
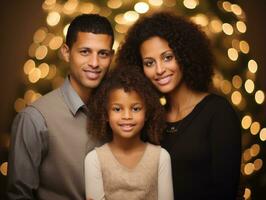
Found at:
<point>128,78</point>
<point>189,43</point>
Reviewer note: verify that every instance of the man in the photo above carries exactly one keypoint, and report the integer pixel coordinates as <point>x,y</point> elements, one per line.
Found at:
<point>49,138</point>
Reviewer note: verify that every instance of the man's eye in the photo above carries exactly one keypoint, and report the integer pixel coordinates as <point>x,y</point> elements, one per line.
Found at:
<point>104,54</point>
<point>84,52</point>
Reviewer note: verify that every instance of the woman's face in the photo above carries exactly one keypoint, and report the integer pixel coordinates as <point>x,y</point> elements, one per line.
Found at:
<point>160,65</point>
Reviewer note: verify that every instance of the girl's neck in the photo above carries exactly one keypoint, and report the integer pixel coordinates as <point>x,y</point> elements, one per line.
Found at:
<point>181,102</point>
<point>126,145</point>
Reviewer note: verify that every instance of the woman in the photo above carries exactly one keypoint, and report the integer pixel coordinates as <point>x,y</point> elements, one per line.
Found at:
<point>203,133</point>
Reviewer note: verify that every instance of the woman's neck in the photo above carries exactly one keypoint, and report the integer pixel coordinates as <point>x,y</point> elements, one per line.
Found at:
<point>181,102</point>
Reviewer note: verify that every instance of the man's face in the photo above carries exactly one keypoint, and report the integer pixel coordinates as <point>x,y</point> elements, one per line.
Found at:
<point>89,59</point>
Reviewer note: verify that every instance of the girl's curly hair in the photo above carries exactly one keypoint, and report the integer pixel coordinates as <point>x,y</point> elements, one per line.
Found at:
<point>129,78</point>
<point>188,42</point>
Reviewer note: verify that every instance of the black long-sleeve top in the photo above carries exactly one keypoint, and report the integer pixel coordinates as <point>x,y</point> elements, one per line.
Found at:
<point>205,151</point>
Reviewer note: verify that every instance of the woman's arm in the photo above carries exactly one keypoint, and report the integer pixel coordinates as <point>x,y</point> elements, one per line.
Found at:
<point>165,184</point>
<point>93,177</point>
<point>225,139</point>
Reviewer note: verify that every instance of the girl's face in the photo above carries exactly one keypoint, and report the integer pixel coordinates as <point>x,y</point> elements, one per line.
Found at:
<point>126,114</point>
<point>160,65</point>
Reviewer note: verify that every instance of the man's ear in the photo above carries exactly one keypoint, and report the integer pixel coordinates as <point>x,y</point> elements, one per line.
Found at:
<point>65,51</point>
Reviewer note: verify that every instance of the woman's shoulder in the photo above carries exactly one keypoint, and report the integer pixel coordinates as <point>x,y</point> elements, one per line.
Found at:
<point>217,101</point>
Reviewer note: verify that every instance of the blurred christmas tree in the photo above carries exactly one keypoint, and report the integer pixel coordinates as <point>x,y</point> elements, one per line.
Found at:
<point>223,21</point>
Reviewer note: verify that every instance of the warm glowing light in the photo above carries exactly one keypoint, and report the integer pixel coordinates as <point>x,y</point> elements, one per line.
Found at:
<point>131,16</point>
<point>227,29</point>
<point>246,122</point>
<point>56,42</point>
<point>114,4</point>
<point>237,81</point>
<point>258,164</point>
<point>232,54</point>
<point>226,86</point>
<point>120,28</point>
<point>216,26</point>
<point>249,86</point>
<point>3,169</point>
<point>246,155</point>
<point>191,4</point>
<point>236,9</point>
<point>29,96</point>
<point>35,75</point>
<point>120,19</point>
<point>39,35</point>
<point>65,29</point>
<point>44,67</point>
<point>169,3</point>
<point>50,2</point>
<point>29,66</point>
<point>241,27</point>
<point>235,44</point>
<point>52,72</point>
<point>156,2</point>
<point>259,97</point>
<point>263,134</point>
<point>32,49</point>
<point>141,7</point>
<point>201,19</point>
<point>70,7</point>
<point>163,101</point>
<point>255,128</point>
<point>19,104</point>
<point>227,6</point>
<point>254,150</point>
<point>236,97</point>
<point>247,193</point>
<point>41,52</point>
<point>244,47</point>
<point>106,12</point>
<point>252,66</point>
<point>53,18</point>
<point>115,45</point>
<point>249,168</point>
<point>86,8</point>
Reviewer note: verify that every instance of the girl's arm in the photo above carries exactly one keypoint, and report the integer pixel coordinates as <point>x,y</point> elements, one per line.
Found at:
<point>93,177</point>
<point>165,185</point>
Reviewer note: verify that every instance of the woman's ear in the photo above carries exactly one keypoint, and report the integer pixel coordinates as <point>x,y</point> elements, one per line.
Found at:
<point>65,51</point>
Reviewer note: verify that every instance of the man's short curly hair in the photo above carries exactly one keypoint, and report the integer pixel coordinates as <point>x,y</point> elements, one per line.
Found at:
<point>129,78</point>
<point>188,42</point>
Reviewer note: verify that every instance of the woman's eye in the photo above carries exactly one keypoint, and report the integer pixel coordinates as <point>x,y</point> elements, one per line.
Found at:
<point>168,57</point>
<point>148,63</point>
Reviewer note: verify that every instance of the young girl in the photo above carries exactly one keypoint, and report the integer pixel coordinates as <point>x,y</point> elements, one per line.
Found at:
<point>126,112</point>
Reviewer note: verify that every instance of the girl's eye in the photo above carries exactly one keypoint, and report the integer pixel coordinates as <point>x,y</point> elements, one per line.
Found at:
<point>116,109</point>
<point>136,109</point>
